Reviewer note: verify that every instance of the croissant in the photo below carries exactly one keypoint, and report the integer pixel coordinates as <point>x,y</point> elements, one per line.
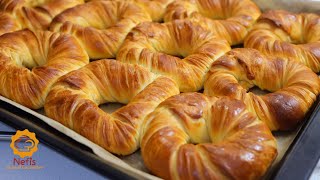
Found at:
<point>74,102</point>
<point>287,35</point>
<point>155,8</point>
<point>8,23</point>
<point>30,62</point>
<point>230,19</point>
<point>100,26</point>
<point>293,87</point>
<point>34,15</point>
<point>193,136</point>
<point>180,50</point>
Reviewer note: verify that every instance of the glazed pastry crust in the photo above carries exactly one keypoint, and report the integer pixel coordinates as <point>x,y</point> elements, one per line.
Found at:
<point>193,136</point>
<point>8,23</point>
<point>293,87</point>
<point>33,14</point>
<point>100,26</point>
<point>229,19</point>
<point>74,102</point>
<point>155,8</point>
<point>287,35</point>
<point>180,50</point>
<point>30,62</point>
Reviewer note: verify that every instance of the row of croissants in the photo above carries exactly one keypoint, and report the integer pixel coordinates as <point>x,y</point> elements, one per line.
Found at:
<point>187,90</point>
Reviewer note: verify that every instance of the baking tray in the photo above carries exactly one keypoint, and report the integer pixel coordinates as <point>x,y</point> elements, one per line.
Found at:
<point>298,161</point>
<point>299,149</point>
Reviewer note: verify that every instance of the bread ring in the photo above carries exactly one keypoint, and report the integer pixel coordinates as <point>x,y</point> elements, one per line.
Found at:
<point>230,19</point>
<point>34,15</point>
<point>285,34</point>
<point>231,143</point>
<point>155,8</point>
<point>100,26</point>
<point>8,23</point>
<point>74,100</point>
<point>294,87</point>
<point>155,46</point>
<point>30,62</point>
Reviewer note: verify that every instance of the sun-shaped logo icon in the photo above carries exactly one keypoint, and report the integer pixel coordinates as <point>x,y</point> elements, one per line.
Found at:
<point>24,143</point>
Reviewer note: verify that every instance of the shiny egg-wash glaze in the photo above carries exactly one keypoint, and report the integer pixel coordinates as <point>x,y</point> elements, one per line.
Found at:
<point>31,62</point>
<point>229,19</point>
<point>74,102</point>
<point>8,23</point>
<point>180,50</point>
<point>293,86</point>
<point>288,35</point>
<point>31,14</point>
<point>100,26</point>
<point>193,136</point>
<point>155,8</point>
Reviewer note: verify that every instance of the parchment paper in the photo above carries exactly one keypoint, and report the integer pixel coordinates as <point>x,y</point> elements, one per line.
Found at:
<point>133,164</point>
<point>312,6</point>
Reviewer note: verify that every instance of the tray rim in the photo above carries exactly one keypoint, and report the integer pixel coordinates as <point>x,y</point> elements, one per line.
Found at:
<point>294,164</point>
<point>21,119</point>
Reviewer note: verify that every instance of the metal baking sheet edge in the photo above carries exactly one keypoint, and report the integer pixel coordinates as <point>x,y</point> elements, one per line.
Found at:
<point>304,152</point>
<point>111,159</point>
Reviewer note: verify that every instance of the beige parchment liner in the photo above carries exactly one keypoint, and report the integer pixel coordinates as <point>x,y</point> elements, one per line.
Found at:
<point>133,164</point>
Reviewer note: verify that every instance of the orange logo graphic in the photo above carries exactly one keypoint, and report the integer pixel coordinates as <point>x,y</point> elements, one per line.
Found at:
<point>24,143</point>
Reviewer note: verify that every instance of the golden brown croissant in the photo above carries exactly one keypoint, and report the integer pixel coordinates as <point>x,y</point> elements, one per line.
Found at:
<point>230,19</point>
<point>74,101</point>
<point>8,23</point>
<point>288,35</point>
<point>293,86</point>
<point>155,8</point>
<point>192,136</point>
<point>180,50</point>
<point>30,62</point>
<point>34,14</point>
<point>100,26</point>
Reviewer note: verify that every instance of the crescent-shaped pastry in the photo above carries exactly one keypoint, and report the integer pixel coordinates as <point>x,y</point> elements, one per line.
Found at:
<point>229,19</point>
<point>180,50</point>
<point>31,14</point>
<point>193,136</point>
<point>30,62</point>
<point>74,102</point>
<point>288,35</point>
<point>100,26</point>
<point>293,87</point>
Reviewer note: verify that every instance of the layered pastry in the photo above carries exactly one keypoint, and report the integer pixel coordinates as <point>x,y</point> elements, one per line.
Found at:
<point>193,136</point>
<point>223,133</point>
<point>288,35</point>
<point>74,102</point>
<point>30,62</point>
<point>293,87</point>
<point>180,50</point>
<point>230,19</point>
<point>31,14</point>
<point>100,26</point>
<point>155,8</point>
<point>8,23</point>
